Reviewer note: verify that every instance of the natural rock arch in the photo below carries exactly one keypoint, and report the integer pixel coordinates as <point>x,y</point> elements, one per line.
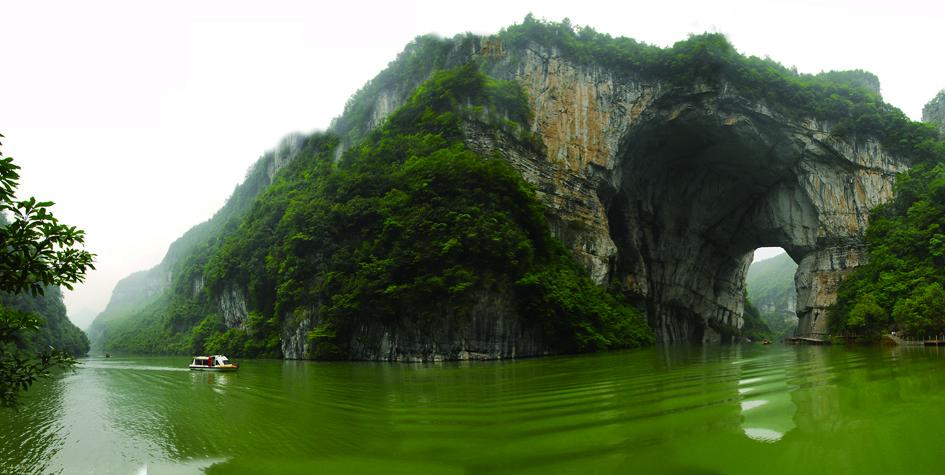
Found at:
<point>665,191</point>
<point>705,179</point>
<point>669,190</point>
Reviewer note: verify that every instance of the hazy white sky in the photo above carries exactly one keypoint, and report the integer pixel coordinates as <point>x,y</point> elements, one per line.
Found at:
<point>139,118</point>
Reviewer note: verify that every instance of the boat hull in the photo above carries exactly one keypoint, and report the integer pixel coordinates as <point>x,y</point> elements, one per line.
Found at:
<point>214,368</point>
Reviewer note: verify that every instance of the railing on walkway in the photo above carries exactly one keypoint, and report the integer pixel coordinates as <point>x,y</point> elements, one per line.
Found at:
<point>933,340</point>
<point>816,338</point>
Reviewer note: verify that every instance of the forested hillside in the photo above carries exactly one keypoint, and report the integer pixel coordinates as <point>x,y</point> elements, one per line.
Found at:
<point>56,331</point>
<point>771,290</point>
<point>391,221</point>
<point>901,288</point>
<point>902,285</point>
<point>408,224</point>
<point>119,325</point>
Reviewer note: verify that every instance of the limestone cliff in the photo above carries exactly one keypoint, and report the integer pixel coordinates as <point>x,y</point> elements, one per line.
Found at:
<point>668,190</point>
<point>934,111</point>
<point>660,187</point>
<point>492,330</point>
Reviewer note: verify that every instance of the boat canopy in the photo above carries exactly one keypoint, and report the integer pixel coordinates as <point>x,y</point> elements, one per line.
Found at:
<point>217,359</point>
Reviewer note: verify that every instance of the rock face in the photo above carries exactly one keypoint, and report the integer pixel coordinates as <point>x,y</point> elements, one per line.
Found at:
<point>491,330</point>
<point>934,111</point>
<point>233,307</point>
<point>663,191</point>
<point>685,183</point>
<point>668,191</point>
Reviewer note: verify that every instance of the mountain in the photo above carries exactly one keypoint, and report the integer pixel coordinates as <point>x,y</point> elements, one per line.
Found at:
<point>57,331</point>
<point>900,288</point>
<point>136,292</point>
<point>934,111</point>
<point>771,289</point>
<point>542,190</point>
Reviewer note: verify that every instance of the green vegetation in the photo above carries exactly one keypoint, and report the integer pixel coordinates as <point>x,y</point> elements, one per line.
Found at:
<point>845,99</point>
<point>770,285</point>
<point>901,286</point>
<point>39,253</point>
<point>408,224</point>
<point>134,322</point>
<point>55,330</point>
<point>409,221</point>
<point>754,327</point>
<point>411,68</point>
<point>934,111</point>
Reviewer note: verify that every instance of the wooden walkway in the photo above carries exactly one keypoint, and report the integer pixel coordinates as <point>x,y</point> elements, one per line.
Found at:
<point>825,339</point>
<point>927,341</point>
<point>806,340</point>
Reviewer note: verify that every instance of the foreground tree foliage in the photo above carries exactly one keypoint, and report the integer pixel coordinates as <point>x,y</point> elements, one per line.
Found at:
<point>38,252</point>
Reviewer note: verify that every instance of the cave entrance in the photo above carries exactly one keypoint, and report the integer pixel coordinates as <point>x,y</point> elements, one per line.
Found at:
<point>701,179</point>
<point>697,192</point>
<point>771,291</point>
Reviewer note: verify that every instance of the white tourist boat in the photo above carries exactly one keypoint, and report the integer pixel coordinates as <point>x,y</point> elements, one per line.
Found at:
<point>212,363</point>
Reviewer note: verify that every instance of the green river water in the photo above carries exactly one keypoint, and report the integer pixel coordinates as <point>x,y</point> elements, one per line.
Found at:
<point>741,409</point>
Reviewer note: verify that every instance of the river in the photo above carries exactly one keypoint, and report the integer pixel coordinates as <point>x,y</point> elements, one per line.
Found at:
<point>741,409</point>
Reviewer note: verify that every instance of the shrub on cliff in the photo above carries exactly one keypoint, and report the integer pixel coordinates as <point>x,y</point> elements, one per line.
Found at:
<point>846,99</point>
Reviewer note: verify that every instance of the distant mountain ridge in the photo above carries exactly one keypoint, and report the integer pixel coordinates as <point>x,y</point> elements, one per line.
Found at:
<point>771,290</point>
<point>57,331</point>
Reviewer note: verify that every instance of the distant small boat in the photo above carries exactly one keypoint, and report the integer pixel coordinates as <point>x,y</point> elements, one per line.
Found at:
<point>212,363</point>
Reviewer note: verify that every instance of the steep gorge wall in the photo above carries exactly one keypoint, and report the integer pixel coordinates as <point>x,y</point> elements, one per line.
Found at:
<point>668,190</point>
<point>663,191</point>
<point>135,292</point>
<point>687,182</point>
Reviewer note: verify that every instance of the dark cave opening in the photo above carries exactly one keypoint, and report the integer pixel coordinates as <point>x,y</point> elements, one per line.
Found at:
<point>695,195</point>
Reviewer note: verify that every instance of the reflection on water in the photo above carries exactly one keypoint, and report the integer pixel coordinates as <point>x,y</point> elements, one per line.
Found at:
<point>746,409</point>
<point>765,388</point>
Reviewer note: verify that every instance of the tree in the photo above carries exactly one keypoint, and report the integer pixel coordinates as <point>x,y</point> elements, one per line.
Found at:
<point>37,251</point>
<point>867,318</point>
<point>922,313</point>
